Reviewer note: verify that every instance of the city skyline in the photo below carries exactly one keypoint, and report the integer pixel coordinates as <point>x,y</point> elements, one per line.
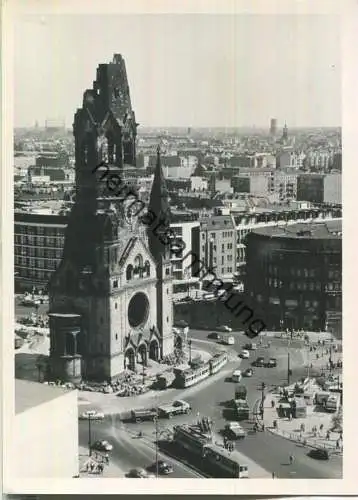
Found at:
<point>279,79</point>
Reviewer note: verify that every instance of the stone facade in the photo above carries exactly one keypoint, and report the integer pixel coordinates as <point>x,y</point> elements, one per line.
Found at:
<point>111,296</point>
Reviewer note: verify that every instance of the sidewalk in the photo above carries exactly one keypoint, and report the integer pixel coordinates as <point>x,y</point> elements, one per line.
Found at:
<point>292,430</point>
<point>109,470</point>
<point>313,336</point>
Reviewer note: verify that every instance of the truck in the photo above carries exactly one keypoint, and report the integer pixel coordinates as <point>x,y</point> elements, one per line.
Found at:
<point>141,414</point>
<point>241,392</point>
<point>242,409</point>
<point>165,380</point>
<point>178,407</point>
<point>332,403</point>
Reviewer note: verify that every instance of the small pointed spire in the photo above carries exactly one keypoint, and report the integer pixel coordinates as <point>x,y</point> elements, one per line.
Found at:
<point>159,205</point>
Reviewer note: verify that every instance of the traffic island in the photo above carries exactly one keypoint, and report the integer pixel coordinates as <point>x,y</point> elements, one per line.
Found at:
<point>309,424</point>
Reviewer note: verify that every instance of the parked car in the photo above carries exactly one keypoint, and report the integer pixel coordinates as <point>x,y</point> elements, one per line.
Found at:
<point>260,361</point>
<point>319,454</point>
<point>248,373</point>
<point>272,363</point>
<point>250,346</point>
<point>214,336</point>
<point>233,430</point>
<point>139,473</point>
<point>225,328</point>
<point>163,467</point>
<point>102,446</point>
<point>92,414</point>
<point>244,354</point>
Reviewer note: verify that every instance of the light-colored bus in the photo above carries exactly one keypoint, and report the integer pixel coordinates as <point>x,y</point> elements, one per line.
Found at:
<point>222,463</point>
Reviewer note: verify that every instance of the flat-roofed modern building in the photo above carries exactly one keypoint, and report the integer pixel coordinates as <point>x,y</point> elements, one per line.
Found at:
<point>294,275</point>
<point>44,441</point>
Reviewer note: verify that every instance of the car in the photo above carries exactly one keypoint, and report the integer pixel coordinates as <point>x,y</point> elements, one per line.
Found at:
<point>179,403</point>
<point>139,473</point>
<point>260,361</point>
<point>236,376</point>
<point>248,373</point>
<point>214,336</point>
<point>102,445</point>
<point>234,430</point>
<point>163,467</point>
<point>225,328</point>
<point>319,453</point>
<point>250,346</point>
<point>272,363</point>
<point>244,354</point>
<point>92,414</point>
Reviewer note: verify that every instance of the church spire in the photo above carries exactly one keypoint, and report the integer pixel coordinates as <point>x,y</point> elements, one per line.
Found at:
<point>159,210</point>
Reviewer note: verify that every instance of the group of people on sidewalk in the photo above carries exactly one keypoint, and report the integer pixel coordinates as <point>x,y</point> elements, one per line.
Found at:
<point>96,463</point>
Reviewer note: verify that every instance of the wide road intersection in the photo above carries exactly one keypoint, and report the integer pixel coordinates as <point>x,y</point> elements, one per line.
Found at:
<point>211,398</point>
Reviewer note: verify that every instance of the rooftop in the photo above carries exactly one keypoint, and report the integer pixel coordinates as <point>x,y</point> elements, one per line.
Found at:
<point>331,229</point>
<point>30,394</point>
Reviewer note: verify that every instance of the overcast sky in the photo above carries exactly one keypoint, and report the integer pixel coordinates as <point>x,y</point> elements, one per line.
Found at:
<point>184,70</point>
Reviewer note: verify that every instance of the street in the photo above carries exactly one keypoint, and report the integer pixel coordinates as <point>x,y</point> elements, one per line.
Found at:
<point>211,398</point>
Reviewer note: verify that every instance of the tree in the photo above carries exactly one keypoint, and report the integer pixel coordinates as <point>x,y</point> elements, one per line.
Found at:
<point>337,421</point>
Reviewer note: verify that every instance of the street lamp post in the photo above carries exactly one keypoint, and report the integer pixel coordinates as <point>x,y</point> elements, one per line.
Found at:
<point>263,387</point>
<point>89,435</point>
<point>156,419</point>
<point>288,369</point>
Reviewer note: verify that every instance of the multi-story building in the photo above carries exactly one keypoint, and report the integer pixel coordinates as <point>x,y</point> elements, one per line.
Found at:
<point>291,159</point>
<point>284,183</point>
<point>333,188</point>
<point>294,275</point>
<point>310,187</point>
<point>184,281</point>
<point>257,185</point>
<point>320,188</point>
<point>45,425</point>
<point>39,239</point>
<point>247,222</point>
<point>218,246</point>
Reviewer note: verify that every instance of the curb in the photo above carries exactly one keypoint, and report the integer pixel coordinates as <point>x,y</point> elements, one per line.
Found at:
<point>307,445</point>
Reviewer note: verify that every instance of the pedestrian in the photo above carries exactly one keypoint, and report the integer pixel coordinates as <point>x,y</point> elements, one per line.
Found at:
<point>328,435</point>
<point>337,444</point>
<point>273,475</point>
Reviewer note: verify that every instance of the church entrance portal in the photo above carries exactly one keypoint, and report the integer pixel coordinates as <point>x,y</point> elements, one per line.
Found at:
<point>179,343</point>
<point>129,359</point>
<point>142,355</point>
<point>154,350</point>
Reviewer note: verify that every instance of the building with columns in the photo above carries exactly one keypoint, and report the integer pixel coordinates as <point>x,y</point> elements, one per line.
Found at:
<point>111,295</point>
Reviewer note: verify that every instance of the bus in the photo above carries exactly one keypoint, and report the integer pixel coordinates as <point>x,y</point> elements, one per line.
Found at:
<point>223,463</point>
<point>217,362</point>
<point>188,377</point>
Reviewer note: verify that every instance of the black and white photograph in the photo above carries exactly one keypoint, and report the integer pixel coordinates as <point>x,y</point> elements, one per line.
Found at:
<point>177,247</point>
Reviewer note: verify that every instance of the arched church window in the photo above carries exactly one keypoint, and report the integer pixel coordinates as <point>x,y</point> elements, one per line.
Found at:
<point>138,266</point>
<point>129,272</point>
<point>147,268</point>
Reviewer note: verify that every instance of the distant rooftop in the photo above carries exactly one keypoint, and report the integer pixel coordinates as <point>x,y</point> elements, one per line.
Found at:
<point>318,230</point>
<point>30,394</point>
